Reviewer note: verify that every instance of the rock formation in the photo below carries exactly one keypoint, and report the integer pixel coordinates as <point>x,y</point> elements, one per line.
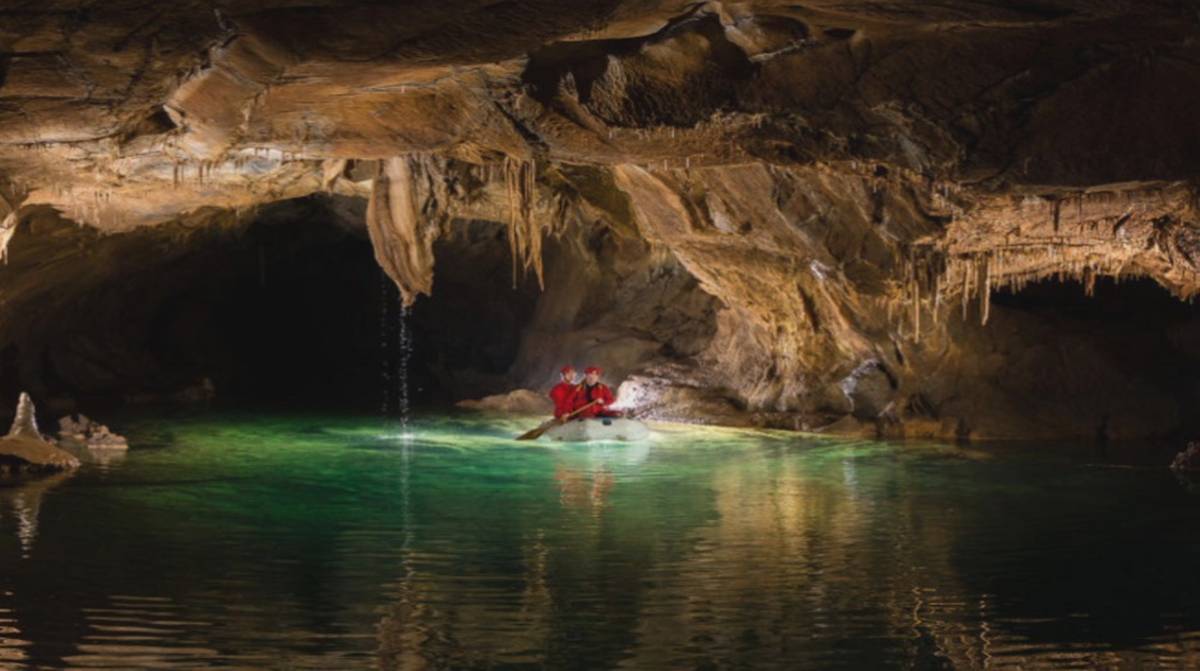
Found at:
<point>25,422</point>
<point>518,402</point>
<point>25,450</point>
<point>844,184</point>
<point>79,431</point>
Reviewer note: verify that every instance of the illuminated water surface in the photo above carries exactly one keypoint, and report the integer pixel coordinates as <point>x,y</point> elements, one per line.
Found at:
<point>302,542</point>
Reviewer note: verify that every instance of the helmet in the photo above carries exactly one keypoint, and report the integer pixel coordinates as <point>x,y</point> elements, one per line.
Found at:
<point>592,369</point>
<point>567,369</point>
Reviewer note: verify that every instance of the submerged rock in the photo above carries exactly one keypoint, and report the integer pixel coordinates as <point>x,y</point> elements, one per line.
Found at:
<point>518,401</point>
<point>1188,459</point>
<point>25,450</point>
<point>79,431</point>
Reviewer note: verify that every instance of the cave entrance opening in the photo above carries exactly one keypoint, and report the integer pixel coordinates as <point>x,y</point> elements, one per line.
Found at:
<point>285,310</point>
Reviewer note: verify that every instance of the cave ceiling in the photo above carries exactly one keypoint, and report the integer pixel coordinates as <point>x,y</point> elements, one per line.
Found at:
<point>126,113</point>
<point>841,174</point>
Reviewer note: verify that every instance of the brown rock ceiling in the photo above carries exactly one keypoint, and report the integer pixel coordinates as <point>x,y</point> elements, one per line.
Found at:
<point>849,179</point>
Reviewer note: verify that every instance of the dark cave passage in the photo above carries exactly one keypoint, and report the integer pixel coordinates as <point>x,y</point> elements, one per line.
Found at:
<point>1124,358</point>
<point>287,311</point>
<point>323,322</point>
<point>1111,300</point>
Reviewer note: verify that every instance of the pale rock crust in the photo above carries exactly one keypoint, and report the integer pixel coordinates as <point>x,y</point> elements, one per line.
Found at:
<point>25,450</point>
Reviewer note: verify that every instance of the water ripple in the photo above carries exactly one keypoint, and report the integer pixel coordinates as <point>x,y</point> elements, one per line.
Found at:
<point>264,543</point>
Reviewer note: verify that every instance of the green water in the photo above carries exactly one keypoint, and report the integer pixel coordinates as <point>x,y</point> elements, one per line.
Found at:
<point>314,542</point>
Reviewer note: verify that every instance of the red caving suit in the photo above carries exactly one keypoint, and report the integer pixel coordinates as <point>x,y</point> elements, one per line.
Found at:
<point>565,397</point>
<point>599,392</point>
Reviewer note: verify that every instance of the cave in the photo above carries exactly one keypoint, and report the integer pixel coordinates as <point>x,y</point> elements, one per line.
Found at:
<point>674,160</point>
<point>596,334</point>
<point>282,307</point>
<point>1130,338</point>
<point>1106,360</point>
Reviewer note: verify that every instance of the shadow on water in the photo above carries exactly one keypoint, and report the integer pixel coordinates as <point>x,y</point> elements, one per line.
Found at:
<point>1102,556</point>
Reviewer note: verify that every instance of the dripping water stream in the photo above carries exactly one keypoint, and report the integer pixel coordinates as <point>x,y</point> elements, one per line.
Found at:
<point>403,358</point>
<point>395,355</point>
<point>396,348</point>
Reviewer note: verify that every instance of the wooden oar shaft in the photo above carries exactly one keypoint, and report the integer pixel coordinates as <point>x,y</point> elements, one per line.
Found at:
<point>581,408</point>
<point>537,433</point>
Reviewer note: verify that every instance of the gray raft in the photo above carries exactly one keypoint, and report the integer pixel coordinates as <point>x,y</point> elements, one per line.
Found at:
<point>599,428</point>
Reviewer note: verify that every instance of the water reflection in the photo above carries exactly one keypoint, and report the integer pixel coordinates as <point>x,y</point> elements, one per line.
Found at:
<point>12,645</point>
<point>846,556</point>
<point>21,502</point>
<point>140,632</point>
<point>583,490</point>
<point>254,544</point>
<point>104,459</point>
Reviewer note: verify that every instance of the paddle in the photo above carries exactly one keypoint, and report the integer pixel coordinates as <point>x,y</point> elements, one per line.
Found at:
<point>537,433</point>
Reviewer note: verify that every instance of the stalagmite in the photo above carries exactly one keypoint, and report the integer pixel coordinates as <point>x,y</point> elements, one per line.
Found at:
<point>401,230</point>
<point>25,422</point>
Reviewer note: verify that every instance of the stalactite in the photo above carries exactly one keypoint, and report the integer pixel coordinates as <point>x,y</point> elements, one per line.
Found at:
<point>916,302</point>
<point>524,232</point>
<point>937,296</point>
<point>985,290</point>
<point>7,228</point>
<point>402,232</point>
<point>331,170</point>
<point>966,288</point>
<point>514,232</point>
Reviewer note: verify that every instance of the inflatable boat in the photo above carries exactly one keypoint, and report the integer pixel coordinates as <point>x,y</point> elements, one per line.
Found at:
<point>598,428</point>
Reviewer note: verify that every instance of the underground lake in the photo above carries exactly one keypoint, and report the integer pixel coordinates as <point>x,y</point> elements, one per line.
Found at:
<point>275,541</point>
<point>599,334</point>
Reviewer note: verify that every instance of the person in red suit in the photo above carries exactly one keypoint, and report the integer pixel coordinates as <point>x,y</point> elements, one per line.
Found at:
<point>593,389</point>
<point>565,393</point>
